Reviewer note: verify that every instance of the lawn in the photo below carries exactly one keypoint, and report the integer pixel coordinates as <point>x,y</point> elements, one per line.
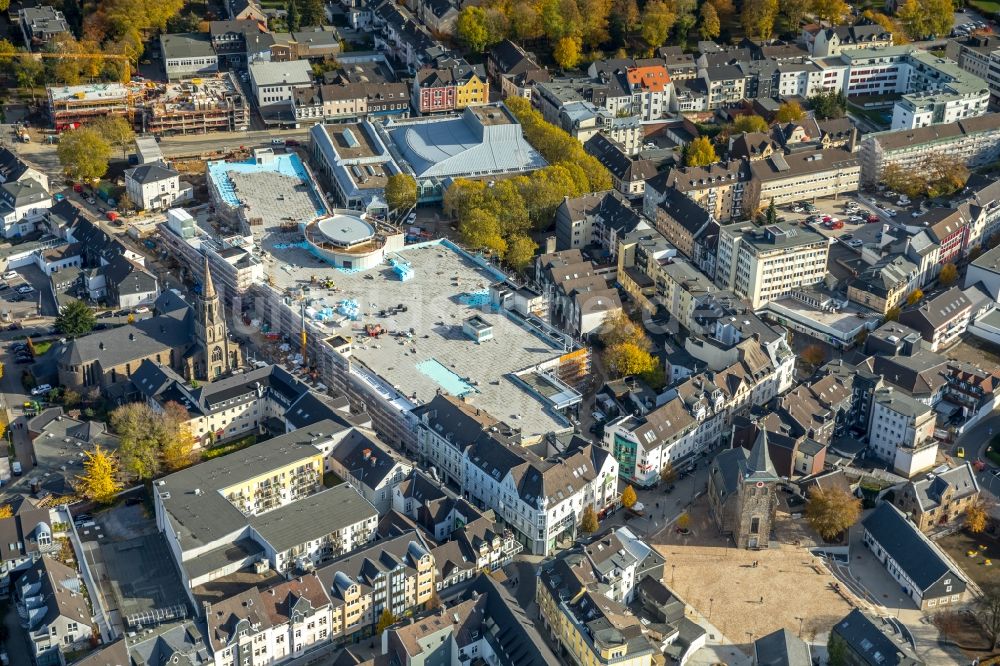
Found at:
<point>41,347</point>
<point>961,543</point>
<point>985,5</point>
<point>224,449</point>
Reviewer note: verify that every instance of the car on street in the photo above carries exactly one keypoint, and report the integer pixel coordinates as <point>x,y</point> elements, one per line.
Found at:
<point>960,452</point>
<point>91,200</point>
<point>857,242</point>
<point>16,468</point>
<point>41,389</point>
<point>847,237</point>
<point>890,213</point>
<point>141,310</point>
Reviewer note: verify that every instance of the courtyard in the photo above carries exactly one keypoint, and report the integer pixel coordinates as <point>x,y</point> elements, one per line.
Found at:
<point>983,567</point>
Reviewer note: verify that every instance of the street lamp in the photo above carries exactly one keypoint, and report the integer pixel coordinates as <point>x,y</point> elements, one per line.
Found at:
<point>800,625</point>
<point>710,602</point>
<point>672,567</point>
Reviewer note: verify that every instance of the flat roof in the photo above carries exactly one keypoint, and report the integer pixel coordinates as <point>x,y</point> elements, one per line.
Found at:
<point>345,230</point>
<point>276,189</point>
<point>88,92</point>
<point>446,289</point>
<point>313,517</point>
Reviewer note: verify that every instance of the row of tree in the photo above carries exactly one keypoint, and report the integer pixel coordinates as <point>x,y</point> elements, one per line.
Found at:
<point>498,217</point>
<point>937,175</point>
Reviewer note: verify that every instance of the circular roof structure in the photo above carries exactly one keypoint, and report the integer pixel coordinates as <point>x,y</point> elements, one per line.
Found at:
<point>345,230</point>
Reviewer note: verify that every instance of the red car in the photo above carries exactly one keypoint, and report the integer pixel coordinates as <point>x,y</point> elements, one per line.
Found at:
<point>77,187</point>
<point>872,219</point>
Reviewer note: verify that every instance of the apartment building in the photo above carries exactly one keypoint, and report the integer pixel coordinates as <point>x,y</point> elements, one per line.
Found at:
<point>188,54</point>
<point>396,574</point>
<point>371,466</point>
<point>939,497</point>
<point>980,56</point>
<point>450,85</point>
<point>595,219</point>
<point>271,625</point>
<point>352,101</point>
<point>514,69</point>
<point>940,320</point>
<point>579,293</point>
<point>763,264</point>
<point>974,141</point>
<point>832,41</point>
<point>788,177</point>
<point>718,188</point>
<point>901,432</point>
<point>51,603</point>
<point>261,506</point>
<point>70,106</point>
<point>645,445</point>
<point>883,285</point>
<point>681,289</point>
<point>581,601</point>
<point>23,204</point>
<point>274,82</point>
<point>628,174</point>
<point>40,24</point>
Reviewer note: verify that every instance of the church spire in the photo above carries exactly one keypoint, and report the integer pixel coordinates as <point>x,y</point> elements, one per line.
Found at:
<point>207,288</point>
<point>759,465</point>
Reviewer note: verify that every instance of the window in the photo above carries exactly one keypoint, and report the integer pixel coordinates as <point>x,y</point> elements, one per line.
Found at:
<point>754,525</point>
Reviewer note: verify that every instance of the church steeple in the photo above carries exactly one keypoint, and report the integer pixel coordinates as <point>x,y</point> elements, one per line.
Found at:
<point>759,466</point>
<point>208,289</point>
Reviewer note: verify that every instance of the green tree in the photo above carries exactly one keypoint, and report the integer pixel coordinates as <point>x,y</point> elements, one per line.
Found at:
<point>135,424</point>
<point>588,521</point>
<point>117,131</point>
<point>99,481</point>
<point>830,104</point>
<point>401,192</point>
<point>757,18</point>
<point>700,152</point>
<point>520,251</point>
<point>724,8</point>
<point>814,355</point>
<point>566,52</point>
<point>627,359</point>
<point>831,511</point>
<point>709,26</point>
<point>629,498</point>
<point>292,17</point>
<point>177,441</point>
<point>948,275</point>
<point>791,13</point>
<point>750,123</point>
<point>7,49</point>
<point>836,651</point>
<point>657,21</point>
<point>84,154</point>
<point>684,522</point>
<point>470,27</point>
<point>921,18</point>
<point>790,112</point>
<point>29,72</point>
<point>385,620</point>
<point>312,13</point>
<point>76,319</point>
<point>892,314</point>
<point>772,213</point>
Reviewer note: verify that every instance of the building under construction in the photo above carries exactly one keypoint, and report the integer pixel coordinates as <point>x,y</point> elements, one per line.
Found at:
<point>70,106</point>
<point>196,106</point>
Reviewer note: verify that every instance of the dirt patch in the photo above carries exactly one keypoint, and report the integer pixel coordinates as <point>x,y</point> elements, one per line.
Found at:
<point>747,600</point>
<point>986,548</point>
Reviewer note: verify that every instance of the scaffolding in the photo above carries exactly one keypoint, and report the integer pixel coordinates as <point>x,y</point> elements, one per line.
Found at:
<point>196,106</point>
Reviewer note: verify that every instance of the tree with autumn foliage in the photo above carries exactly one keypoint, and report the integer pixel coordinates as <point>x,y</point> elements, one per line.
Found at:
<point>976,517</point>
<point>629,498</point>
<point>588,521</point>
<point>915,296</point>
<point>700,152</point>
<point>948,275</point>
<point>831,511</point>
<point>99,481</point>
<point>750,123</point>
<point>790,112</point>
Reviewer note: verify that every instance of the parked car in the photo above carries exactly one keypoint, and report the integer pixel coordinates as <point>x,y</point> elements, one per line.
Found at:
<point>890,213</point>
<point>25,289</point>
<point>142,310</point>
<point>857,242</point>
<point>41,390</point>
<point>9,275</point>
<point>91,200</point>
<point>16,468</point>
<point>847,237</point>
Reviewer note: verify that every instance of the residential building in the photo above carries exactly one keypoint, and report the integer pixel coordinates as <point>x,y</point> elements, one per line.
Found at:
<point>883,285</point>
<point>306,43</point>
<point>974,141</point>
<point>763,264</point>
<point>450,86</point>
<point>581,600</point>
<point>718,188</point>
<point>984,272</point>
<point>742,493</point>
<point>349,102</point>
<point>646,445</point>
<point>246,10</point>
<point>783,178</point>
<point>274,82</point>
<point>948,228</point>
<point>628,175</point>
<point>52,606</point>
<point>901,432</point>
<point>156,187</point>
<point>273,511</point>
<point>271,625</point>
<point>370,465</point>
<point>834,40</point>
<point>595,219</point>
<point>25,536</point>
<point>396,574</point>
<point>578,292</point>
<point>188,54</point>
<point>515,70</point>
<point>234,39</point>
<point>23,204</point>
<point>685,225</point>
<point>980,56</point>
<point>925,574</point>
<point>15,170</point>
<point>781,648</point>
<point>940,498</point>
<point>940,320</point>
<point>868,640</point>
<point>40,24</point>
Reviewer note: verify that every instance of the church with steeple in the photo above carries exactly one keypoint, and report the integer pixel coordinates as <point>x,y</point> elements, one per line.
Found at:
<point>213,353</point>
<point>742,493</point>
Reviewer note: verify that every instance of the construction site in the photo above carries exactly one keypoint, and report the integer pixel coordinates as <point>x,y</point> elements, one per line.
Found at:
<point>190,106</point>
<point>195,106</point>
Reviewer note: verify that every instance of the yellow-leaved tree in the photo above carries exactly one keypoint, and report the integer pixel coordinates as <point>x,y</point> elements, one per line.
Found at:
<point>99,481</point>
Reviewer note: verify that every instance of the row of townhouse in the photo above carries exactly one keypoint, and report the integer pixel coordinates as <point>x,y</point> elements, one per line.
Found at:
<point>350,101</point>
<point>540,499</point>
<point>578,292</point>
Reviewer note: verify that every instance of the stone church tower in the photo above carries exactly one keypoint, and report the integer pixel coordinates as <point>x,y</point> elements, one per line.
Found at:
<point>216,354</point>
<point>756,498</point>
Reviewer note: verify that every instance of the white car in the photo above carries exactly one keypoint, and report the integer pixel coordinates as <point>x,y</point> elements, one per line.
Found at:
<point>141,310</point>
<point>890,213</point>
<point>25,289</point>
<point>10,275</point>
<point>41,390</point>
<point>857,242</point>
<point>855,218</point>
